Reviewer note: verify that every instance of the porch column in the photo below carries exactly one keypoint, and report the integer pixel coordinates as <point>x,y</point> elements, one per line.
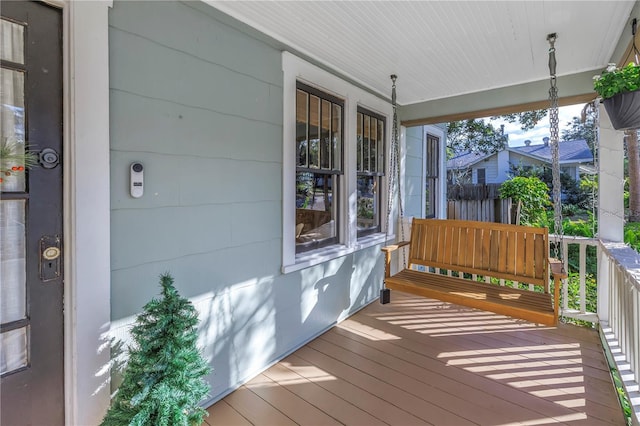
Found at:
<point>611,184</point>
<point>610,202</point>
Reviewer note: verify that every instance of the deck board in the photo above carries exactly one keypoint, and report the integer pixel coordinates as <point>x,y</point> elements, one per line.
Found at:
<point>423,361</point>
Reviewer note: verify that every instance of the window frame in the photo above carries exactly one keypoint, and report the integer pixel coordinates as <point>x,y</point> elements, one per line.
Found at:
<point>432,145</point>
<point>298,70</point>
<point>335,171</point>
<point>378,174</point>
<point>484,176</point>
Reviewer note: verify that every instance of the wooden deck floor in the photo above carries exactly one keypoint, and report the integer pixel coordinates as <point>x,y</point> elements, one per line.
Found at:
<point>419,361</point>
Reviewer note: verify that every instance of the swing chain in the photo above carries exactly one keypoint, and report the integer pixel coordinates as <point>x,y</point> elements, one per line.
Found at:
<point>554,141</point>
<point>394,166</point>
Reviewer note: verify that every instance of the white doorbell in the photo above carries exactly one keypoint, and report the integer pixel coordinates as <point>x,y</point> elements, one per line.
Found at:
<point>137,180</point>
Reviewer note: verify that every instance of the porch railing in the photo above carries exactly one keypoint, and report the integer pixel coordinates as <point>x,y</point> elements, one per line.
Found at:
<point>619,312</point>
<point>570,242</point>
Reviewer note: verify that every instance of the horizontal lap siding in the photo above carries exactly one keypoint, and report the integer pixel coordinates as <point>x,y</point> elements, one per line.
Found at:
<point>199,102</point>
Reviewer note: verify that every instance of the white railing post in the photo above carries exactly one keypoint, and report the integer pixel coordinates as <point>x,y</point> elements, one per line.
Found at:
<point>603,286</point>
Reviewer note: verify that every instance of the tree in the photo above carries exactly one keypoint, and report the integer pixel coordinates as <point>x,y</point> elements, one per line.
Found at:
<point>527,119</point>
<point>633,154</point>
<point>478,135</point>
<point>582,128</point>
<point>162,382</point>
<point>475,136</point>
<point>533,195</point>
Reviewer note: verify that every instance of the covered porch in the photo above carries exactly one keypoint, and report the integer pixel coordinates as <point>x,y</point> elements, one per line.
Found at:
<point>216,97</point>
<point>422,361</point>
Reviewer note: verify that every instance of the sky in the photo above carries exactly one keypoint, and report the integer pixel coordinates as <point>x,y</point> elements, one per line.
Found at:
<point>517,136</point>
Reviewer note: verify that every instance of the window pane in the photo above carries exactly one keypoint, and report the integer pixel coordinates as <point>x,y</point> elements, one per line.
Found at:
<point>368,203</point>
<point>12,136</point>
<point>13,293</point>
<point>12,42</point>
<point>320,127</point>
<point>302,118</point>
<point>314,132</point>
<point>325,136</point>
<point>430,208</point>
<point>315,213</point>
<point>337,137</point>
<point>13,350</point>
<point>481,176</point>
<point>359,141</point>
<point>380,151</point>
<point>366,142</point>
<point>432,156</point>
<point>431,175</point>
<point>373,145</point>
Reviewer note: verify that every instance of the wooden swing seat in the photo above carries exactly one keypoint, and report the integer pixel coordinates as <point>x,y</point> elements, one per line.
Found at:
<point>470,263</point>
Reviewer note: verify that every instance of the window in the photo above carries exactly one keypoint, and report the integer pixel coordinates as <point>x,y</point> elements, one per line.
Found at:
<point>432,160</point>
<point>370,151</point>
<point>481,176</point>
<point>320,175</point>
<point>319,118</point>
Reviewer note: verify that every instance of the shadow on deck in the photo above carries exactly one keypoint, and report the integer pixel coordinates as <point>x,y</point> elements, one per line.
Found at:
<point>422,361</point>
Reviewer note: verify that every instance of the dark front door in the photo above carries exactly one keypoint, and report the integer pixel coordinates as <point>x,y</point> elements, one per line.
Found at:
<point>31,310</point>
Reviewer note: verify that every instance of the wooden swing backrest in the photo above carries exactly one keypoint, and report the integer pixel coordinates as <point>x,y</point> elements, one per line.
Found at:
<point>510,252</point>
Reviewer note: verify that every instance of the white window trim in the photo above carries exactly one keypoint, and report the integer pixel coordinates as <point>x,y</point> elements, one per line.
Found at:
<point>295,69</point>
<point>441,199</point>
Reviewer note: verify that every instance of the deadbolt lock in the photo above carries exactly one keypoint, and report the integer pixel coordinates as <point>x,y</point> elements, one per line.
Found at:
<point>49,158</point>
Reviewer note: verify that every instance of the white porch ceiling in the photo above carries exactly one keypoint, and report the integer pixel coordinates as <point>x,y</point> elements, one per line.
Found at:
<point>441,49</point>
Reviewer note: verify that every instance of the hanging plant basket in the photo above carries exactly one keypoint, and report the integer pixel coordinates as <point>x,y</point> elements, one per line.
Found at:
<point>624,110</point>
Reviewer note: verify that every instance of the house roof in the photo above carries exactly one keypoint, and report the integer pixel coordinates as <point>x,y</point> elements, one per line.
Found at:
<point>462,160</point>
<point>441,49</point>
<point>576,151</point>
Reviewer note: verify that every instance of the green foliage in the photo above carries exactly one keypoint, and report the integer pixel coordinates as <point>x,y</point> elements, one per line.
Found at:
<point>482,136</point>
<point>569,210</point>
<point>163,380</point>
<point>527,119</point>
<point>591,289</point>
<point>534,196</point>
<point>632,235</point>
<point>578,227</point>
<point>573,192</point>
<point>615,80</point>
<point>582,128</point>
<point>475,136</point>
<point>15,158</point>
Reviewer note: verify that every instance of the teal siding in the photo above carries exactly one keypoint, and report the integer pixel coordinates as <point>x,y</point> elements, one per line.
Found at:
<point>414,163</point>
<point>199,103</point>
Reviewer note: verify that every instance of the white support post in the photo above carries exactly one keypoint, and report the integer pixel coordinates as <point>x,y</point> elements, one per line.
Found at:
<point>611,181</point>
<point>610,202</point>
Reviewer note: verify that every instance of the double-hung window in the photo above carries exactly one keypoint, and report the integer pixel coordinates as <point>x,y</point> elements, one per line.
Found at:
<point>370,131</point>
<point>432,162</point>
<point>319,166</point>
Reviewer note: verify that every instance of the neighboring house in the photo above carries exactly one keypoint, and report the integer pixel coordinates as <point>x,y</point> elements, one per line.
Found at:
<point>265,160</point>
<point>479,168</point>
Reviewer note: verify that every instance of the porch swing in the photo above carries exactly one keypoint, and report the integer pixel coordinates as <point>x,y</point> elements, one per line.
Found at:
<point>494,267</point>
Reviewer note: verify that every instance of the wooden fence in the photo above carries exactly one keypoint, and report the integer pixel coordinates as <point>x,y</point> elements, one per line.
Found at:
<point>478,202</point>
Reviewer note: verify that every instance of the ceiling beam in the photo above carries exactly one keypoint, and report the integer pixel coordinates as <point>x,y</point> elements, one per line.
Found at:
<point>572,89</point>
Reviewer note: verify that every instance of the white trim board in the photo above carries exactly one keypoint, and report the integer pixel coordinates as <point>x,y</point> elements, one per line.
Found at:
<point>86,209</point>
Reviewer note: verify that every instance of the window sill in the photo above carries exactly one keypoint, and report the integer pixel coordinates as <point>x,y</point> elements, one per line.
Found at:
<point>325,254</point>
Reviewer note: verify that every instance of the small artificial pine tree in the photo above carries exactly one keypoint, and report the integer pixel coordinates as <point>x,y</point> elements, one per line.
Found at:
<point>163,380</point>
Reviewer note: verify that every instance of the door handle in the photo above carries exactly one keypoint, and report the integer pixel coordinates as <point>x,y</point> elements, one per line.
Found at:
<point>50,258</point>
